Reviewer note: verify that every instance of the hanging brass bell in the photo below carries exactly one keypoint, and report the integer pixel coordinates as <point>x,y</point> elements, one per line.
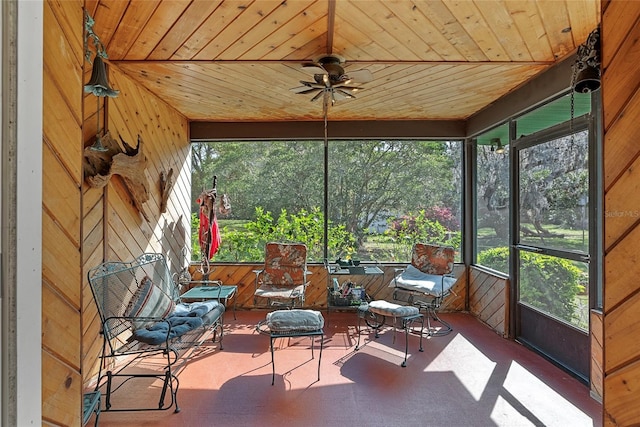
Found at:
<point>99,84</point>
<point>587,80</point>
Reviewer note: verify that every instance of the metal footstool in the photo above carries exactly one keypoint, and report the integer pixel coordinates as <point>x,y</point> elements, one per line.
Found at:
<point>290,324</point>
<point>376,312</point>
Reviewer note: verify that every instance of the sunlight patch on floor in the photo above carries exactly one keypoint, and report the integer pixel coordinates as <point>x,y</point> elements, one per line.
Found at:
<point>525,387</point>
<point>468,364</point>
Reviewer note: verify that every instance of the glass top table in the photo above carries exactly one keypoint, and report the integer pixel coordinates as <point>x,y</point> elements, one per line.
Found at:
<point>211,289</point>
<point>355,270</point>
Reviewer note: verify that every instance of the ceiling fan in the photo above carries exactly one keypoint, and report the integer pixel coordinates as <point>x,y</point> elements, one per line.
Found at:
<point>330,82</point>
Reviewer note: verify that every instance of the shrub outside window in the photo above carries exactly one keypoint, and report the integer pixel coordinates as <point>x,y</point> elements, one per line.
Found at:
<point>383,196</point>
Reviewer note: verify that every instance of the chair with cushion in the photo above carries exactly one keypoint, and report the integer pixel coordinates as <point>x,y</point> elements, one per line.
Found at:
<point>427,281</point>
<point>283,279</point>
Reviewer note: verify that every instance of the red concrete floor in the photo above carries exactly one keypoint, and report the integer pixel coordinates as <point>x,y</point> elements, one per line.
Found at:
<point>471,377</point>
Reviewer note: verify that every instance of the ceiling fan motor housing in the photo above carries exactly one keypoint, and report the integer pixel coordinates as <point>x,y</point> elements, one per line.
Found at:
<point>331,64</point>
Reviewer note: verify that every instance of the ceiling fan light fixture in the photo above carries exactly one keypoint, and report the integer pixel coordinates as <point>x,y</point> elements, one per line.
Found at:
<point>330,81</point>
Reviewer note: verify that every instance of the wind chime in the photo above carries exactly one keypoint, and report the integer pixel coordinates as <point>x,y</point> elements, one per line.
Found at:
<point>586,70</point>
<point>585,77</point>
<point>98,84</point>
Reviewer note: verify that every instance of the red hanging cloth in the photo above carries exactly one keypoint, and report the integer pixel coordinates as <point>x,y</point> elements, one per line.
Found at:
<point>208,233</point>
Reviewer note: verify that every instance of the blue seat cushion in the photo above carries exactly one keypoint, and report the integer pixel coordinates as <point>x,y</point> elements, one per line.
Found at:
<point>294,320</point>
<point>386,308</point>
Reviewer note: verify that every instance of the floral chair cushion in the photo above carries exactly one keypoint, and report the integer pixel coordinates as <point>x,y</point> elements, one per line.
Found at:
<point>285,264</point>
<point>433,259</point>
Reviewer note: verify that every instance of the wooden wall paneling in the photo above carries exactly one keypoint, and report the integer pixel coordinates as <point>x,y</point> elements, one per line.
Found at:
<point>316,297</point>
<point>91,340</point>
<point>63,58</point>
<point>621,269</point>
<point>93,230</point>
<point>489,299</point>
<point>617,22</point>
<point>124,217</point>
<point>622,77</point>
<point>621,331</point>
<point>61,333</point>
<point>620,143</point>
<point>64,52</point>
<point>478,286</point>
<point>165,137</point>
<point>60,261</point>
<point>621,391</point>
<point>597,339</point>
<point>620,93</point>
<point>61,128</point>
<point>61,391</point>
<point>457,301</point>
<point>62,201</point>
<point>622,211</point>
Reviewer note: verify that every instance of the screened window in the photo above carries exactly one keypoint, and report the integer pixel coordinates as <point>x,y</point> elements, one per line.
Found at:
<point>492,199</point>
<point>383,196</point>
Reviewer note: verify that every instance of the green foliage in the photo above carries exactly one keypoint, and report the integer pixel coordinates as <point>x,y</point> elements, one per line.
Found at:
<point>195,245</point>
<point>413,228</point>
<point>247,244</point>
<point>548,283</point>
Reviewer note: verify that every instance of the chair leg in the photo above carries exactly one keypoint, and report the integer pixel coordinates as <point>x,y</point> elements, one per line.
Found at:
<point>273,364</point>
<point>320,355</point>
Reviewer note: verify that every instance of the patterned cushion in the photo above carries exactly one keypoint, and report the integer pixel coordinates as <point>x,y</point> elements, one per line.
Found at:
<point>433,259</point>
<point>285,264</point>
<point>386,308</point>
<point>268,291</point>
<point>149,300</point>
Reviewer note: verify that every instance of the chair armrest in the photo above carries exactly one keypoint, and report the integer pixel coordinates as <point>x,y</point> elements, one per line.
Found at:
<point>397,271</point>
<point>257,280</point>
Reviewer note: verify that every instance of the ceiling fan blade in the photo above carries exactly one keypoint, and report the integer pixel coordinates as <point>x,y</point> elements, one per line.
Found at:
<point>301,89</point>
<point>312,84</point>
<point>313,69</point>
<point>360,76</point>
<point>306,91</point>
<point>338,95</point>
<point>344,94</point>
<point>318,96</point>
<point>346,85</point>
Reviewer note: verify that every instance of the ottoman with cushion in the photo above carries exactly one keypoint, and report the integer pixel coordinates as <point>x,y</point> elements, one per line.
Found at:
<point>293,323</point>
<point>376,312</point>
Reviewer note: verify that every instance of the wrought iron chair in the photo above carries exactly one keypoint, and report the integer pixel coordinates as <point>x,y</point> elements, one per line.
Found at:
<point>427,281</point>
<point>283,279</point>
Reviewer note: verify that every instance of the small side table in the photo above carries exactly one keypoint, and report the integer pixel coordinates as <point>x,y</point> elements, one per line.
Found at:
<point>212,289</point>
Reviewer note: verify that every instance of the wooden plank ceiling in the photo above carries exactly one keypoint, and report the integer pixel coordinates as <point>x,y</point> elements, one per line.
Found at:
<point>236,60</point>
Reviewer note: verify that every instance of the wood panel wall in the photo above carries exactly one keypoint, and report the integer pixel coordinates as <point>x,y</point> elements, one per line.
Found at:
<point>489,299</point>
<point>83,226</point>
<point>377,286</point>
<point>61,207</point>
<point>114,227</point>
<point>596,335</point>
<point>621,107</point>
